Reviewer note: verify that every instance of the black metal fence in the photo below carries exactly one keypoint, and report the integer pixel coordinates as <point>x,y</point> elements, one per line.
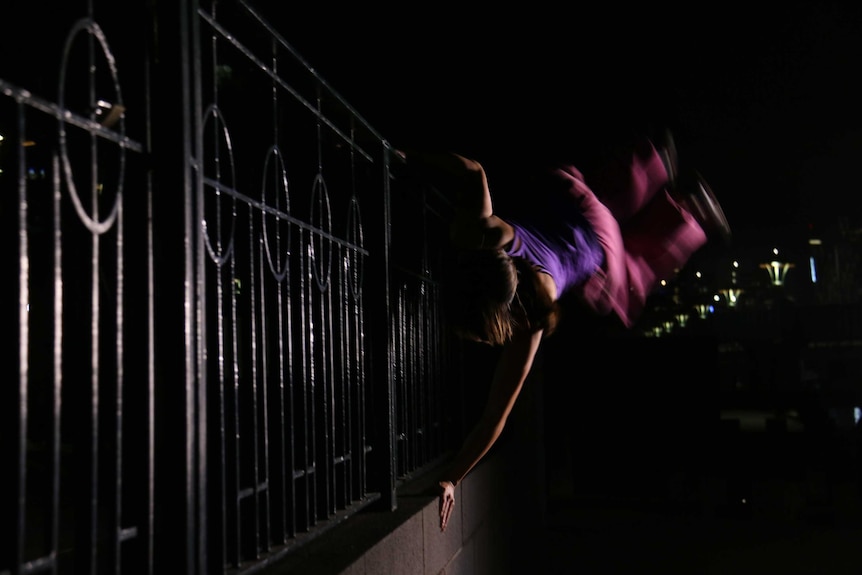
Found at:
<point>223,340</point>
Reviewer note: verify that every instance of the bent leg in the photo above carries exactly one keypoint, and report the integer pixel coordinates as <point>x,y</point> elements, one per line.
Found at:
<point>657,242</point>
<point>630,180</point>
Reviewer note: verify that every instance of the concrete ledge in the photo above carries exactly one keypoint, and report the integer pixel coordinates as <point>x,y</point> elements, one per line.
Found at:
<point>494,528</point>
<point>408,541</point>
<point>346,548</point>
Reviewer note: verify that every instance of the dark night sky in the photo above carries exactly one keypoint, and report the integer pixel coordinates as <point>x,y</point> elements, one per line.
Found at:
<point>766,104</point>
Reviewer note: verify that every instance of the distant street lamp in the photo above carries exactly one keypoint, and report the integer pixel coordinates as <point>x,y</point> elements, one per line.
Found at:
<point>731,295</point>
<point>777,270</point>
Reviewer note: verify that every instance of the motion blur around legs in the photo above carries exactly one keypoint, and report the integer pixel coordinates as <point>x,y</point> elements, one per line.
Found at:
<point>602,245</point>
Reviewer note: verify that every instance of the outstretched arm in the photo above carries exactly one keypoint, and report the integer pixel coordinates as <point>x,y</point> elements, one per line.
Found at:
<point>514,365</point>
<point>475,226</point>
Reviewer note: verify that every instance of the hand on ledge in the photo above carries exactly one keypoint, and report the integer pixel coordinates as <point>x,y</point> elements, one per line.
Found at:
<point>447,502</point>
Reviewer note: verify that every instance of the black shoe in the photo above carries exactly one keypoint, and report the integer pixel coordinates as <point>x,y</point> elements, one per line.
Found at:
<point>697,197</point>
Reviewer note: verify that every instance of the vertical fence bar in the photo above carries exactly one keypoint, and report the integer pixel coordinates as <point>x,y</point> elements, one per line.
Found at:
<point>23,346</point>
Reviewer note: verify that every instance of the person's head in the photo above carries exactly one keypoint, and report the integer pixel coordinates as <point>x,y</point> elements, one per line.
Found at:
<point>490,295</point>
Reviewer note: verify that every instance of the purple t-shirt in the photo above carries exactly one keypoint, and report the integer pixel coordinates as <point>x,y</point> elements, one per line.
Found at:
<point>564,245</point>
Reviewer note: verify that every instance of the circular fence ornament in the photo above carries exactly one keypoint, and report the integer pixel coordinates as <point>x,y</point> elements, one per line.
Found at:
<point>356,238</point>
<point>272,210</point>
<point>321,243</point>
<point>102,103</point>
<point>221,204</point>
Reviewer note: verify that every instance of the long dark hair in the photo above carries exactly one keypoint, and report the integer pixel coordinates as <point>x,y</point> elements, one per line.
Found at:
<point>488,295</point>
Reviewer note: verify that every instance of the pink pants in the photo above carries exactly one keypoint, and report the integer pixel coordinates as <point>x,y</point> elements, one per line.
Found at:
<point>646,236</point>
